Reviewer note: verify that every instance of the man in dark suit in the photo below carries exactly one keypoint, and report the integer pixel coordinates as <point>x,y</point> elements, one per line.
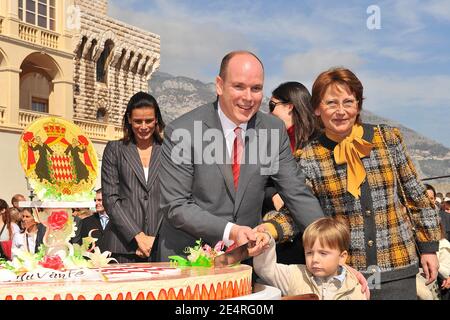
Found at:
<point>215,162</point>
<point>98,222</point>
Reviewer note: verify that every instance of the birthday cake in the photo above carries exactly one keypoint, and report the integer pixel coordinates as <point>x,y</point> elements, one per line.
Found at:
<point>61,166</point>
<point>138,281</point>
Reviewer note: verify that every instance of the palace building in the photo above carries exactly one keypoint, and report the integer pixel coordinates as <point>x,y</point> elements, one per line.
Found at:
<point>66,58</point>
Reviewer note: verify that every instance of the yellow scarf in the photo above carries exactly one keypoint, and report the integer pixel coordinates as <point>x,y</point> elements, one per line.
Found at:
<point>350,150</point>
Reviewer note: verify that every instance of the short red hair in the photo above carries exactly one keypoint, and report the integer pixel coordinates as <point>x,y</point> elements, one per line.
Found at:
<point>337,76</point>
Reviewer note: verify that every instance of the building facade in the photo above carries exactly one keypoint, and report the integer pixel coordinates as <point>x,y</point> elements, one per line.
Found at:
<point>66,58</point>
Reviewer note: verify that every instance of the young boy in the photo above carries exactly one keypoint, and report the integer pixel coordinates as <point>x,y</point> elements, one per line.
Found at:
<point>326,242</point>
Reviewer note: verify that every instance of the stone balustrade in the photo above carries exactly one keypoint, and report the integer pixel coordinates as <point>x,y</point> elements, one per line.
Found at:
<point>99,130</point>
<point>27,116</point>
<point>37,35</point>
<point>2,115</point>
<point>118,132</point>
<point>94,130</point>
<point>49,39</point>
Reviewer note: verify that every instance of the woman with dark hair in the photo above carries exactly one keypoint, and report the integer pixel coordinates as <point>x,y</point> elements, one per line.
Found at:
<point>7,229</point>
<point>291,102</point>
<point>130,182</point>
<point>363,173</point>
<point>26,240</point>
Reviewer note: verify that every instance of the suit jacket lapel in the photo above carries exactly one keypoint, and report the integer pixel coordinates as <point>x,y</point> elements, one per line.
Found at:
<point>99,222</point>
<point>130,153</point>
<point>154,165</point>
<point>247,169</point>
<point>39,236</point>
<point>211,120</point>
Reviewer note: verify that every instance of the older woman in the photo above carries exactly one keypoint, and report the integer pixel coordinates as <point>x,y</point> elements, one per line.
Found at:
<point>363,174</point>
<point>130,181</point>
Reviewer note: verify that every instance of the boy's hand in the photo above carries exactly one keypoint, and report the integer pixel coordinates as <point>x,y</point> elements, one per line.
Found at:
<point>267,227</point>
<point>446,283</point>
<point>261,244</point>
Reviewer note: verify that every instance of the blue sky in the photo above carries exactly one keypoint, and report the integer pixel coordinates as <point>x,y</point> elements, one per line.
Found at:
<point>404,66</point>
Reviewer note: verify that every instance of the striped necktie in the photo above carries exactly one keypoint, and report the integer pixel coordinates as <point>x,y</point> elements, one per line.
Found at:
<point>238,147</point>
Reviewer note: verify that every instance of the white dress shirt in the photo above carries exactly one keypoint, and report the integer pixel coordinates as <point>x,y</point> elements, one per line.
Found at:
<point>24,241</point>
<point>4,236</point>
<point>228,127</point>
<point>146,173</point>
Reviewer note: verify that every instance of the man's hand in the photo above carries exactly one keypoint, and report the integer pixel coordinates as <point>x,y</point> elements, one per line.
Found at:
<point>362,281</point>
<point>242,234</point>
<point>278,203</point>
<point>145,243</point>
<point>430,266</point>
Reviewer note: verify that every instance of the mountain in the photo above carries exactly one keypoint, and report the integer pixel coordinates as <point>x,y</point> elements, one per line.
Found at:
<point>177,95</point>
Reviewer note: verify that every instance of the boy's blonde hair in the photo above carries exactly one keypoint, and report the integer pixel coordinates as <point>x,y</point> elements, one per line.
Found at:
<point>331,232</point>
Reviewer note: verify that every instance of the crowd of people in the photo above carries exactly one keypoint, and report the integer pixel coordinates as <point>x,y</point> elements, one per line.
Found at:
<point>21,229</point>
<point>335,209</point>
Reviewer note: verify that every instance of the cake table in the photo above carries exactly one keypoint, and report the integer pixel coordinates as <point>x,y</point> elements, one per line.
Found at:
<point>137,281</point>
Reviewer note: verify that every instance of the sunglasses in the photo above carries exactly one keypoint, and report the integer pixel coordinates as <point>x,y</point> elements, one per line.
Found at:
<point>273,104</point>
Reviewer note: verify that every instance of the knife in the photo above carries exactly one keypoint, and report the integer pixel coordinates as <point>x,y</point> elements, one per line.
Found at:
<point>234,256</point>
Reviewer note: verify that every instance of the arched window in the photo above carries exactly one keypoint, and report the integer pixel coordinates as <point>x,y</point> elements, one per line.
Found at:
<point>103,62</point>
<point>35,89</point>
<point>102,115</point>
<point>81,47</point>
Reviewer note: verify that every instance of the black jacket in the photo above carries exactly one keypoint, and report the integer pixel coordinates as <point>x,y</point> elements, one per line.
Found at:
<point>91,223</point>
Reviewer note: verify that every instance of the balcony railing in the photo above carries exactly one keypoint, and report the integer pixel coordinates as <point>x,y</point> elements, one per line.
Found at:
<point>37,35</point>
<point>2,115</point>
<point>118,132</point>
<point>92,129</point>
<point>98,130</point>
<point>26,117</point>
<point>95,130</point>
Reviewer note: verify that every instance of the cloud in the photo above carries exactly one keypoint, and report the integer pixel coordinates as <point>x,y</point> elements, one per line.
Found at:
<point>400,54</point>
<point>403,66</point>
<point>188,44</point>
<point>439,9</point>
<point>308,65</point>
<point>386,91</point>
<point>405,15</point>
<point>421,103</point>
